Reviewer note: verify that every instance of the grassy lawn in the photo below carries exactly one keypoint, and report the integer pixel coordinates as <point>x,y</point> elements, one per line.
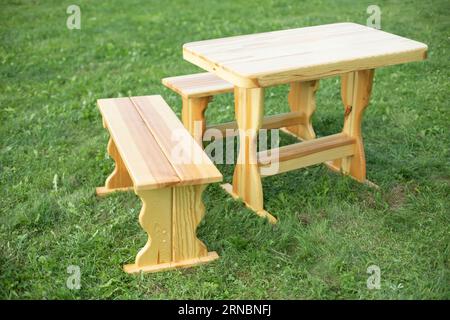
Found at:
<point>331,229</point>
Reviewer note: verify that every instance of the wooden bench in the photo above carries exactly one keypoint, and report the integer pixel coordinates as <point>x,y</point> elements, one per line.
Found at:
<point>197,90</point>
<point>145,135</point>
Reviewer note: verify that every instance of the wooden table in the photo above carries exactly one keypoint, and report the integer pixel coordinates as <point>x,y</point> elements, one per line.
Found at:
<point>300,57</point>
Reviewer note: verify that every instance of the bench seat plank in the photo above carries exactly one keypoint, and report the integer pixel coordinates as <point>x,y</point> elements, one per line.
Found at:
<point>156,148</point>
<point>146,164</point>
<point>198,85</point>
<point>169,132</point>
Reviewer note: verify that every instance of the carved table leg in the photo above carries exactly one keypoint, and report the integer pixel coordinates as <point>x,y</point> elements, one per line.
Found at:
<point>355,91</point>
<point>170,217</point>
<point>119,179</point>
<point>249,105</point>
<point>302,98</point>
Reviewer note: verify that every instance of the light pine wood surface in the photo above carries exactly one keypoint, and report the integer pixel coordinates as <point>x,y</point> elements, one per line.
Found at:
<point>193,116</point>
<point>195,167</point>
<point>299,57</point>
<point>309,53</point>
<point>307,153</point>
<point>269,122</point>
<point>249,110</point>
<point>148,167</point>
<point>142,129</point>
<point>170,217</point>
<point>119,179</point>
<point>142,145</point>
<point>356,88</point>
<point>198,85</point>
<point>302,99</point>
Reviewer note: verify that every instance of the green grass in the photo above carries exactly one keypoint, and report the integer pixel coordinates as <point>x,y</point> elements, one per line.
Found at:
<point>331,228</point>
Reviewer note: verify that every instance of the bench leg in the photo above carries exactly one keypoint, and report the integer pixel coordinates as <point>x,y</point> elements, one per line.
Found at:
<point>119,179</point>
<point>193,116</point>
<point>302,98</point>
<point>356,88</point>
<point>170,217</point>
<point>247,186</point>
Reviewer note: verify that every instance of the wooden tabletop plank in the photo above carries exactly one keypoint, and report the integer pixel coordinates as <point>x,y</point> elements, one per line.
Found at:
<point>270,58</point>
<point>141,153</point>
<point>198,85</point>
<point>175,141</point>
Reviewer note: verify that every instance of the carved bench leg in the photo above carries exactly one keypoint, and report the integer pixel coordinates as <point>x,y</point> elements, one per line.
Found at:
<point>119,179</point>
<point>193,116</point>
<point>302,98</point>
<point>170,217</point>
<point>356,88</point>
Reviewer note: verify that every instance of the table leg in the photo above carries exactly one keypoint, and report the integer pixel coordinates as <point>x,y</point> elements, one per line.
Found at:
<point>356,88</point>
<point>302,99</point>
<point>249,110</point>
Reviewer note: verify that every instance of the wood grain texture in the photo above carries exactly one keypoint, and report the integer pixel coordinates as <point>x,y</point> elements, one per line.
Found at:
<point>119,179</point>
<point>266,59</point>
<point>305,148</point>
<point>144,130</point>
<point>198,85</point>
<point>311,159</point>
<point>141,143</point>
<point>356,89</point>
<point>193,116</point>
<point>302,99</point>
<point>303,154</point>
<point>170,217</point>
<point>187,158</point>
<point>249,105</point>
<point>139,150</point>
<point>268,122</point>
<point>188,211</point>
<point>156,219</point>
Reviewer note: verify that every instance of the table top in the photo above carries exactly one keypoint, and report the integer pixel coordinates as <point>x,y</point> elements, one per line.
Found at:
<point>270,58</point>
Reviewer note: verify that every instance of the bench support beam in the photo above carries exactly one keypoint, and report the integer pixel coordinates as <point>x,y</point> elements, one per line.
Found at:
<point>119,179</point>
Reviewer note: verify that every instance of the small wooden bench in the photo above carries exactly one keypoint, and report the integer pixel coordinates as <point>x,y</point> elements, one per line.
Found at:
<point>145,135</point>
<point>197,90</point>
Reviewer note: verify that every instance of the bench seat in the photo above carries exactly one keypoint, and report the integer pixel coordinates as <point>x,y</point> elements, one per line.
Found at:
<point>142,128</point>
<point>157,157</point>
<point>197,90</point>
<point>198,85</point>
